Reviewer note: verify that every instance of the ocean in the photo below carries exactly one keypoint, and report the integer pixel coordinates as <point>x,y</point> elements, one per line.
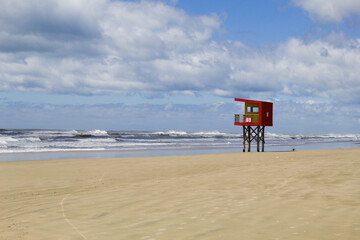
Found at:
<point>31,144</point>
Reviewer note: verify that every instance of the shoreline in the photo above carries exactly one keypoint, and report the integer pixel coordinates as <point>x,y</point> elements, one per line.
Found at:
<point>31,144</point>
<point>273,195</point>
<point>96,154</point>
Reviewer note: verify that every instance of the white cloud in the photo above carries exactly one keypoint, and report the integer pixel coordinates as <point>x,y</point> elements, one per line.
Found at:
<point>320,68</point>
<point>100,46</point>
<point>97,47</point>
<point>329,10</point>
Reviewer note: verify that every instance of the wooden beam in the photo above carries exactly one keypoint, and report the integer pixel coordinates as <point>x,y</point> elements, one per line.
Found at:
<point>244,138</point>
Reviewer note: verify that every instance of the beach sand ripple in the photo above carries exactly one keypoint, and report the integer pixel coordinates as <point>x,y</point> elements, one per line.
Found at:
<point>293,195</point>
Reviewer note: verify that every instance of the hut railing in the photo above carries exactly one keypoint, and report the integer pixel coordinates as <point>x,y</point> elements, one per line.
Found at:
<point>246,118</point>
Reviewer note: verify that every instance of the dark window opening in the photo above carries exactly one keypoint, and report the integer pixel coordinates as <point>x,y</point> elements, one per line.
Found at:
<point>253,109</point>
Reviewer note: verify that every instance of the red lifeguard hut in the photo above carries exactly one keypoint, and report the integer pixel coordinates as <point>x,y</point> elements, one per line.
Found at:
<point>257,115</point>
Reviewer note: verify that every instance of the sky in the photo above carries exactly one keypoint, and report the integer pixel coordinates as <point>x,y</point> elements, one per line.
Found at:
<point>179,64</point>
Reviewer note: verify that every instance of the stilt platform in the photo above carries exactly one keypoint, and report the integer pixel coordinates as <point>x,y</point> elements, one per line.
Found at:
<point>251,133</point>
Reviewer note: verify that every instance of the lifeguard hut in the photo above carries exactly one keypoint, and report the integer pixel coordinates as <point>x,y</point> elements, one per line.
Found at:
<point>258,114</point>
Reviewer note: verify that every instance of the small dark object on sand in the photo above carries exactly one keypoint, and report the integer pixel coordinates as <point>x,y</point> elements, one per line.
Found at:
<point>293,149</point>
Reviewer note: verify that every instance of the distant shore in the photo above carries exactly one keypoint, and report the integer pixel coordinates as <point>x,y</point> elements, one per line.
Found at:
<point>271,195</point>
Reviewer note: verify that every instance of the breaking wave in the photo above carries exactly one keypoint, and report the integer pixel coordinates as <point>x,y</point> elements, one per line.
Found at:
<point>35,140</point>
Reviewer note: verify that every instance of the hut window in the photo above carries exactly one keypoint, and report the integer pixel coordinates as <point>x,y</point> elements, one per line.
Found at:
<point>253,109</point>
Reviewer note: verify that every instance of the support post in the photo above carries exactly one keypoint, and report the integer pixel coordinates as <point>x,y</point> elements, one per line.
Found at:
<point>263,137</point>
<point>257,133</point>
<point>244,138</point>
<point>258,138</point>
<point>249,138</point>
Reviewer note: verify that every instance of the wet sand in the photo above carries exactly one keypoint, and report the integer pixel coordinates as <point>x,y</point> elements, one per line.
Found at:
<point>277,195</point>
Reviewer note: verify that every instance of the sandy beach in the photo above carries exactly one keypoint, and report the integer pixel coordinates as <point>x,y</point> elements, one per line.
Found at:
<point>277,195</point>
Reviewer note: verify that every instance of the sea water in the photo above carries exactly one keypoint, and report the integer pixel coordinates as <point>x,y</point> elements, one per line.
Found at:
<point>30,144</point>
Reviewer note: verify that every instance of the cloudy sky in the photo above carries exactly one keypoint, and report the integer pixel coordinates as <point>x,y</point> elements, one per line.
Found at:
<point>178,64</point>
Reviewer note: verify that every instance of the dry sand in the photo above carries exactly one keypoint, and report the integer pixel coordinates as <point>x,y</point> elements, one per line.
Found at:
<point>293,195</point>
